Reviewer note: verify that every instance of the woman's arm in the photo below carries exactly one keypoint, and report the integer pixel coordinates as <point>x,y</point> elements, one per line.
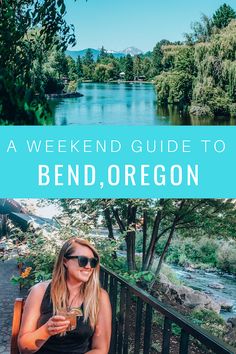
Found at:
<point>30,337</point>
<point>102,335</point>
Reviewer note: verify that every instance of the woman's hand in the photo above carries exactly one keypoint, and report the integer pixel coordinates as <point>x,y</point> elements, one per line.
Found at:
<point>57,324</point>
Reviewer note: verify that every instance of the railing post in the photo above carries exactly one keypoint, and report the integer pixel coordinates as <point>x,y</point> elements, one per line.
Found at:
<point>127,320</point>
<point>139,309</point>
<point>113,297</point>
<point>121,320</point>
<point>105,281</point>
<point>166,336</point>
<point>147,330</point>
<point>122,299</point>
<point>184,340</point>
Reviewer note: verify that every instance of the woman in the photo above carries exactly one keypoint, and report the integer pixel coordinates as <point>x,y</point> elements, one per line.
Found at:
<point>74,285</point>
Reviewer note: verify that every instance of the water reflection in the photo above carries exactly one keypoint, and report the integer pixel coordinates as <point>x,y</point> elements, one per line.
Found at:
<point>122,104</point>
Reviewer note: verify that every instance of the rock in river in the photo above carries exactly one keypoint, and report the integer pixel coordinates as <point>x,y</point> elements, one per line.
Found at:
<point>216,286</point>
<point>187,296</point>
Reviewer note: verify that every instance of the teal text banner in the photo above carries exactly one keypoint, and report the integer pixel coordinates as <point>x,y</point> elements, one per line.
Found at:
<point>117,162</point>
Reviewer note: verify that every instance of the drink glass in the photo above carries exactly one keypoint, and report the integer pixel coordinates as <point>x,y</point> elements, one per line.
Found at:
<point>71,315</point>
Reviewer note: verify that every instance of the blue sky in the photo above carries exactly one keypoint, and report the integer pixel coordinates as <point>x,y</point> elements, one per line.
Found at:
<point>118,24</point>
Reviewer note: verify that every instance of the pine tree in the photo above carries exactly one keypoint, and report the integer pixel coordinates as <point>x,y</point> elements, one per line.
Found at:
<point>157,57</point>
<point>103,53</point>
<point>88,59</point>
<point>129,68</point>
<point>223,16</point>
<point>79,67</point>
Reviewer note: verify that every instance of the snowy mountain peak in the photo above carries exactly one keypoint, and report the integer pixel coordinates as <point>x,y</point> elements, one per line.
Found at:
<point>132,51</point>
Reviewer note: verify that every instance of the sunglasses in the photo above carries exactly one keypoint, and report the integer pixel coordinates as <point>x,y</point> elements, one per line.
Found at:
<point>83,260</point>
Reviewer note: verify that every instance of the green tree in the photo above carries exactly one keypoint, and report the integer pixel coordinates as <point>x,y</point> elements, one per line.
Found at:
<point>147,67</point>
<point>162,218</point>
<point>72,69</point>
<point>88,58</point>
<point>103,54</point>
<point>129,68</point>
<point>137,66</point>
<point>101,73</point>
<point>79,67</point>
<point>22,49</point>
<point>157,56</point>
<point>175,86</point>
<point>201,30</point>
<point>223,16</point>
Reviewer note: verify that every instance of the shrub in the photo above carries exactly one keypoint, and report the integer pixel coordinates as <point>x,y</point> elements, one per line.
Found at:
<point>200,111</point>
<point>174,87</point>
<point>232,109</point>
<point>226,257</point>
<point>53,85</point>
<point>210,320</point>
<point>72,86</point>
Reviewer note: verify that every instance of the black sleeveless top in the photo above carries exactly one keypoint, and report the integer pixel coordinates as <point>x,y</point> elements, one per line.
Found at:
<point>77,341</point>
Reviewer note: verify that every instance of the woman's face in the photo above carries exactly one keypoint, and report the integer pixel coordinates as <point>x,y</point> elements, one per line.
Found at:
<point>74,271</point>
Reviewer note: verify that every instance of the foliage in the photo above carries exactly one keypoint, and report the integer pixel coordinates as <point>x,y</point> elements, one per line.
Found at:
<point>201,30</point>
<point>226,257</point>
<point>157,57</point>
<point>27,31</point>
<point>72,86</point>
<point>223,16</point>
<point>200,111</point>
<point>203,72</point>
<point>215,253</point>
<point>101,73</point>
<point>79,67</point>
<point>215,85</point>
<point>88,58</point>
<point>129,68</point>
<point>143,278</point>
<point>154,223</point>
<point>175,86</point>
<point>211,321</point>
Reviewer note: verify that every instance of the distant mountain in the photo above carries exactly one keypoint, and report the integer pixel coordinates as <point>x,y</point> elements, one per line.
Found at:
<point>131,50</point>
<point>75,53</point>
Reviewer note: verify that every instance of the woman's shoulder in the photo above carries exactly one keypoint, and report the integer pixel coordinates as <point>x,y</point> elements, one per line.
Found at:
<point>104,297</point>
<point>40,288</point>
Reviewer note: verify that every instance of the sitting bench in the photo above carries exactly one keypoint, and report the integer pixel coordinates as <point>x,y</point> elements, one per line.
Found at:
<point>16,321</point>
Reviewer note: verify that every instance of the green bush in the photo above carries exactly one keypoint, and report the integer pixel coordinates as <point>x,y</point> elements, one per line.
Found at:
<point>226,257</point>
<point>182,251</point>
<point>232,109</point>
<point>53,85</point>
<point>174,87</point>
<point>206,94</point>
<point>200,111</point>
<point>72,86</point>
<point>209,320</point>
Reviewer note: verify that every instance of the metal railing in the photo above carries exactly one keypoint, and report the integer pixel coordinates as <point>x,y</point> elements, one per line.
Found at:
<point>143,324</point>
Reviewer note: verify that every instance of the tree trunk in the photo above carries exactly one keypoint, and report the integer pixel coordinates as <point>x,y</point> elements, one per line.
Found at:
<point>130,237</point>
<point>109,223</point>
<point>4,226</point>
<point>144,237</point>
<point>110,228</point>
<point>171,234</point>
<point>118,220</point>
<point>154,238</point>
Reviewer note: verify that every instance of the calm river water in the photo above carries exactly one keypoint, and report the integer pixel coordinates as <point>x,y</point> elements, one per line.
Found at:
<point>118,104</point>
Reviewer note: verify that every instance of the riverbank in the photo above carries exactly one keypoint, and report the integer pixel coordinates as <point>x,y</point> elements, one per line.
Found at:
<point>64,95</point>
<point>118,82</point>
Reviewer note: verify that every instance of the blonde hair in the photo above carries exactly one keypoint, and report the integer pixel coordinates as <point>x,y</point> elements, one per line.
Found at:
<point>89,290</point>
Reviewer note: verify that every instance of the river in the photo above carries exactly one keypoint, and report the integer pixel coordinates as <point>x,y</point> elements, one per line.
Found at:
<point>120,104</point>
<point>200,280</point>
